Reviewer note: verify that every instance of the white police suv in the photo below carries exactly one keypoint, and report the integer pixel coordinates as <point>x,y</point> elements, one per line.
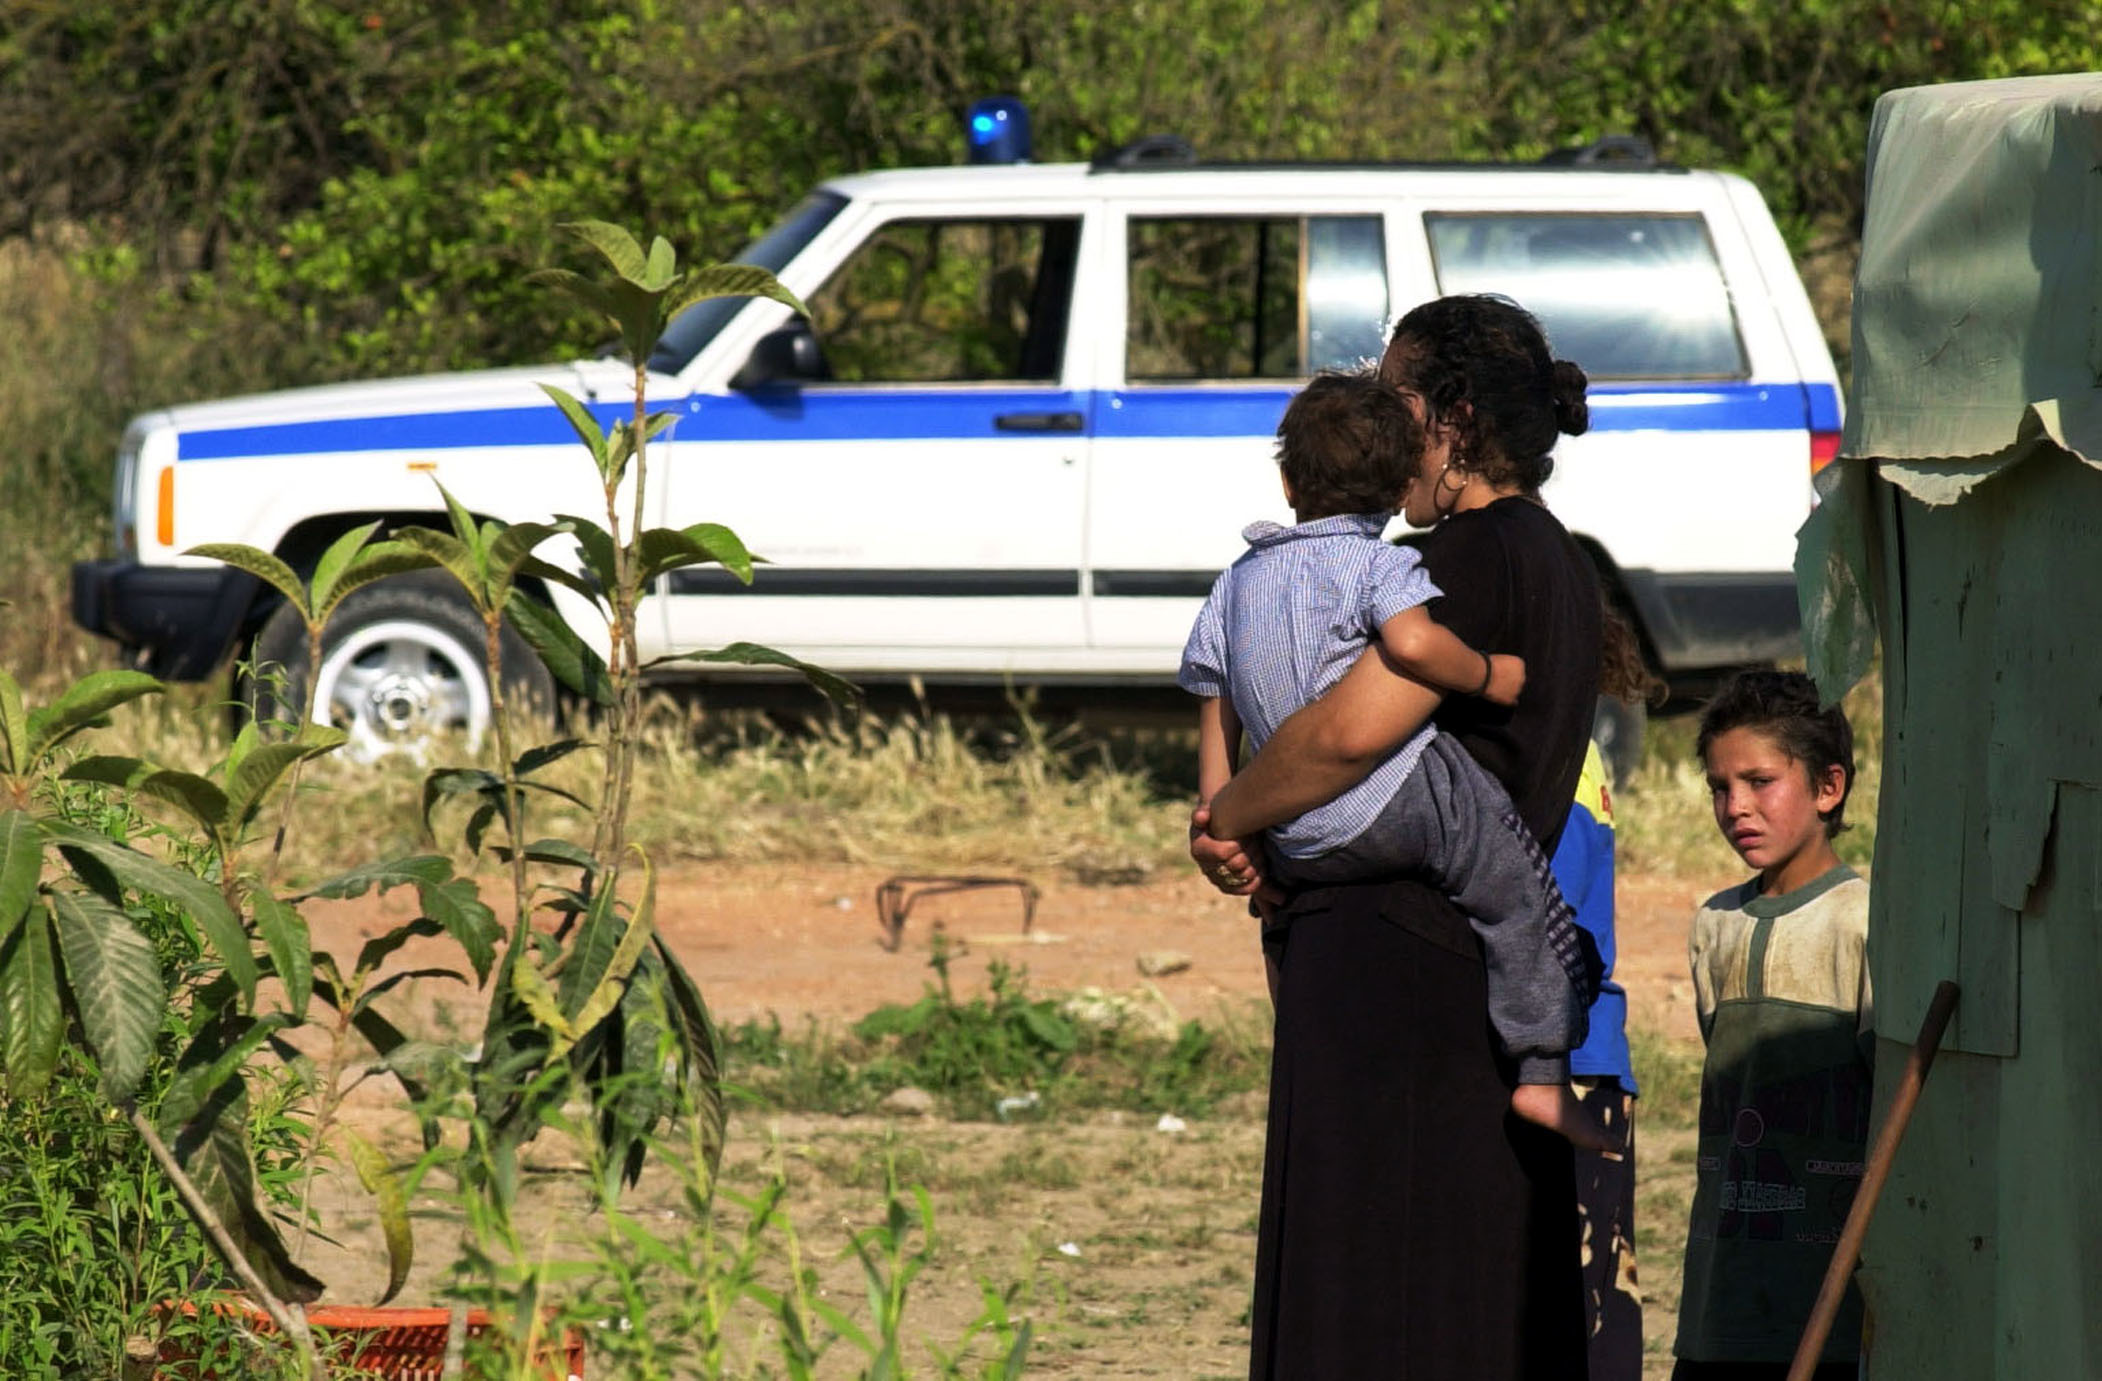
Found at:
<point>1026,420</point>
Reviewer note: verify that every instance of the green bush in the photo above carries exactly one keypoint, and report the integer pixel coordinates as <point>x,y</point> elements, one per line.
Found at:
<point>1005,1054</point>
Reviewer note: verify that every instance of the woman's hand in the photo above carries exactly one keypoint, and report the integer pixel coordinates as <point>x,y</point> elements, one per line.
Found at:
<point>1227,864</point>
<point>1326,748</point>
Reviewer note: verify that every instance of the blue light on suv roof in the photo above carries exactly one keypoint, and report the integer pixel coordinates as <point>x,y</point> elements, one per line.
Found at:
<point>998,130</point>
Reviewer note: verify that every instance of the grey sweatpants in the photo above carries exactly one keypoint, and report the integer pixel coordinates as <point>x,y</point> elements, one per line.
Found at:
<point>1453,825</point>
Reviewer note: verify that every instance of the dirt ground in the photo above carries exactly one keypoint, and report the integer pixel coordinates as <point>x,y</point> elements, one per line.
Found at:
<point>1131,1246</point>
<point>804,940</point>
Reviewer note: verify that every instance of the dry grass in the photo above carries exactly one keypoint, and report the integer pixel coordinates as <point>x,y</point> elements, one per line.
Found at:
<point>916,792</point>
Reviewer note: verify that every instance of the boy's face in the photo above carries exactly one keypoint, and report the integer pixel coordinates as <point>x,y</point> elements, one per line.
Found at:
<point>1765,803</point>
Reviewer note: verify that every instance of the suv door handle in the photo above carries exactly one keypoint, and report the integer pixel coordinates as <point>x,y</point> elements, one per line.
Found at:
<point>1038,421</point>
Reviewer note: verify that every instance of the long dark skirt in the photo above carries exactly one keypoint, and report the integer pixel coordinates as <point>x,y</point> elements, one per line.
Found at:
<point>1412,1229</point>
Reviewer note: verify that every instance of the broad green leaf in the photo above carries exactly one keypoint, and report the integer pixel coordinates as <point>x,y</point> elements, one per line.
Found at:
<point>116,983</point>
<point>606,995</point>
<point>331,565</point>
<point>21,864</point>
<point>465,529</point>
<point>212,1146</point>
<point>458,908</point>
<point>533,759</point>
<point>547,572</point>
<point>591,948</point>
<point>244,743</point>
<point>620,449</point>
<point>380,1181</point>
<point>665,549</point>
<point>595,546</point>
<point>291,946</point>
<point>530,987</point>
<point>381,947</point>
<point>250,784</point>
<point>197,797</point>
<point>376,562</point>
<point>615,244</point>
<point>455,557</point>
<point>14,725</point>
<point>400,976</point>
<point>843,694</point>
<point>393,872</point>
<point>582,423</point>
<point>568,658</point>
<point>511,549</point>
<point>198,899</point>
<point>663,263</point>
<point>559,851</point>
<point>263,566</point>
<point>700,1051</point>
<point>641,317</point>
<point>85,702</point>
<point>477,828</point>
<point>730,280</point>
<point>32,1021</point>
<point>472,782</point>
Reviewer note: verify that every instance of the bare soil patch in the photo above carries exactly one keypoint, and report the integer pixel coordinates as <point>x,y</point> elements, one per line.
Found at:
<point>1133,1246</point>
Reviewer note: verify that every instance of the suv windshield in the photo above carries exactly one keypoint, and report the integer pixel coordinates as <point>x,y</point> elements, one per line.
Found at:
<point>693,328</point>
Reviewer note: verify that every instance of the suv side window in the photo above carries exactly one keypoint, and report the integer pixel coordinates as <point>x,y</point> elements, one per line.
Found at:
<point>1276,298</point>
<point>950,301</point>
<point>1625,296</point>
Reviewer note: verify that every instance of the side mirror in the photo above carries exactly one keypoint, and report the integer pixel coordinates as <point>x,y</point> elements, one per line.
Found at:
<point>786,355</point>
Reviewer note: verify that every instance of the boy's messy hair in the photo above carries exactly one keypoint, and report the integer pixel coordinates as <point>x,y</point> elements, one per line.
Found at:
<point>1348,444</point>
<point>1784,706</point>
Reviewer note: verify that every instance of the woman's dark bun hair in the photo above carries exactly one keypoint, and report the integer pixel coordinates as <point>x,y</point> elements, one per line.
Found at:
<point>1572,413</point>
<point>1482,366</point>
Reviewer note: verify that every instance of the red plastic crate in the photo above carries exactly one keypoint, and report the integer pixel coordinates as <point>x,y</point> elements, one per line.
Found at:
<point>401,1344</point>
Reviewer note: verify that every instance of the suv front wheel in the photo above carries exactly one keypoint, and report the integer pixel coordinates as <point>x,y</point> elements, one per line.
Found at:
<point>402,664</point>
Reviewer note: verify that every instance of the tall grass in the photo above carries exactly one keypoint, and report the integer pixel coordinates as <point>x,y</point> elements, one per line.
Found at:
<point>90,340</point>
<point>913,791</point>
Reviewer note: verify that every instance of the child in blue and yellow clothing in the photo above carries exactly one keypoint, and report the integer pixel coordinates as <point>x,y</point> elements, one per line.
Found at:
<point>1780,978</point>
<point>1604,1080</point>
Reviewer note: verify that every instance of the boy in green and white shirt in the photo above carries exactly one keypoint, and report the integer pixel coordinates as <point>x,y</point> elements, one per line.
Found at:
<point>1781,987</point>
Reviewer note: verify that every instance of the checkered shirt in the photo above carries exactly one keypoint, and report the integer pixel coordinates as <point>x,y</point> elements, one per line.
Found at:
<point>1282,625</point>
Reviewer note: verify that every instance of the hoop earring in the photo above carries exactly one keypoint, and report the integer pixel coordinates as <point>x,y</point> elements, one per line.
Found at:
<point>1439,488</point>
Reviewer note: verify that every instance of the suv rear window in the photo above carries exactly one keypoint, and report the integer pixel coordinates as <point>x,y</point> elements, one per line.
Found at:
<point>1222,298</point>
<point>1626,297</point>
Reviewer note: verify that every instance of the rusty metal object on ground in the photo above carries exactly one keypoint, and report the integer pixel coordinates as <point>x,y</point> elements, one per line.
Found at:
<point>896,897</point>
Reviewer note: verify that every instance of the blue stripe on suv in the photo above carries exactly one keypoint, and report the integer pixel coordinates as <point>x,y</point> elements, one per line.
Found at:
<point>846,413</point>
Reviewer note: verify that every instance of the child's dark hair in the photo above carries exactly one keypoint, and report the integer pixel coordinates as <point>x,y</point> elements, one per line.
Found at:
<point>1784,706</point>
<point>1482,366</point>
<point>1347,444</point>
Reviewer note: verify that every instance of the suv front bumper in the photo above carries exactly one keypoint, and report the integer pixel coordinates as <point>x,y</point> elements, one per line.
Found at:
<point>1708,621</point>
<point>179,620</point>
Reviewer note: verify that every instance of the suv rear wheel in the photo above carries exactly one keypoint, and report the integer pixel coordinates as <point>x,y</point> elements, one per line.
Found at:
<point>401,665</point>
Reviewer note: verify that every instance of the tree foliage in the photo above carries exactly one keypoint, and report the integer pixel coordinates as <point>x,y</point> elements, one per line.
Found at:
<point>298,190</point>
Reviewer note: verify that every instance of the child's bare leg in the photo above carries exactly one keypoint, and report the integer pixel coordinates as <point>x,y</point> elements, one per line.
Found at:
<point>1556,1107</point>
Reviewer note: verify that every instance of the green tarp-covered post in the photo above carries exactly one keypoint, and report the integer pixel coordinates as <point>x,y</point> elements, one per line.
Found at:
<point>1963,524</point>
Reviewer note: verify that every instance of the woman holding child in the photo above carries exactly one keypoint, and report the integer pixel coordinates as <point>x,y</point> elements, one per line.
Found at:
<point>1412,1227</point>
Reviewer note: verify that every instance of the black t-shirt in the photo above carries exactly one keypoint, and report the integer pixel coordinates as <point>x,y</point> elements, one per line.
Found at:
<point>1515,581</point>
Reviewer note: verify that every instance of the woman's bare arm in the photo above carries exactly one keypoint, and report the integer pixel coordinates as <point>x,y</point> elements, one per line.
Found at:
<point>1326,748</point>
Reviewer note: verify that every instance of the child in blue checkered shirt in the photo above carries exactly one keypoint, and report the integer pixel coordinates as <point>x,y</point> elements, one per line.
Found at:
<point>1284,623</point>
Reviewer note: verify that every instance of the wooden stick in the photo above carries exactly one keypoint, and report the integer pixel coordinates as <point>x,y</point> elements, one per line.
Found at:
<point>1848,1252</point>
<point>290,1323</point>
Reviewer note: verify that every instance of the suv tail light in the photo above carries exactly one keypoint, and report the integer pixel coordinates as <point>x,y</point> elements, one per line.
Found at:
<point>1824,449</point>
